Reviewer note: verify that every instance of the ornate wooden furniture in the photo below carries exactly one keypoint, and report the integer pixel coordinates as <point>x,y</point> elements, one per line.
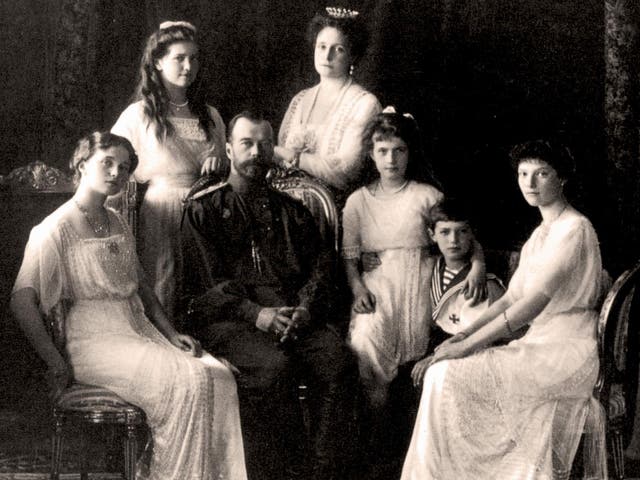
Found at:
<point>315,195</point>
<point>47,188</point>
<point>617,385</point>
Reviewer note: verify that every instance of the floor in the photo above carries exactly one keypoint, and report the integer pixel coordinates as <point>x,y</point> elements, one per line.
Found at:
<point>25,442</point>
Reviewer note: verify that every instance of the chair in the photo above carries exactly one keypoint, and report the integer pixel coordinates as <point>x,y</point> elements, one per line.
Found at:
<point>317,197</point>
<point>84,404</point>
<point>618,342</point>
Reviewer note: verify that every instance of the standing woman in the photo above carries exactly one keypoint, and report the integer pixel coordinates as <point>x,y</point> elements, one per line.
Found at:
<point>517,412</point>
<point>177,136</point>
<point>321,133</point>
<point>117,334</point>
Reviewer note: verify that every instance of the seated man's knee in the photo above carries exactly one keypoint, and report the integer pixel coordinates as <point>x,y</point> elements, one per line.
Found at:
<point>330,358</point>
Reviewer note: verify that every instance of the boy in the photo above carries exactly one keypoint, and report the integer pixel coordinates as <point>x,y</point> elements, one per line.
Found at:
<point>450,229</point>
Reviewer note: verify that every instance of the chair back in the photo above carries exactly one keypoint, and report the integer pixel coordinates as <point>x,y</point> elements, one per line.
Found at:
<point>618,342</point>
<point>315,195</point>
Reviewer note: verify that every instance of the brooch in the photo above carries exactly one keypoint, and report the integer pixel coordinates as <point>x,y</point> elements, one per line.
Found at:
<point>113,248</point>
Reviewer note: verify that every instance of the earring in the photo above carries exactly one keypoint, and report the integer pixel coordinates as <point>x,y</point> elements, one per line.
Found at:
<point>351,68</point>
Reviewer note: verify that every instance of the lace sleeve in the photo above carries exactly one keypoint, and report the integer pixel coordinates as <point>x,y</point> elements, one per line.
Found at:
<point>343,161</point>
<point>41,268</point>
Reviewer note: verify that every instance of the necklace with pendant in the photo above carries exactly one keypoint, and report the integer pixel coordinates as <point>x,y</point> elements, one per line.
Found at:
<point>102,230</point>
<point>178,106</point>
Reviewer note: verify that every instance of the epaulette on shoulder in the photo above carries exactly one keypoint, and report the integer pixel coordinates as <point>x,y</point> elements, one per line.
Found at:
<point>204,186</point>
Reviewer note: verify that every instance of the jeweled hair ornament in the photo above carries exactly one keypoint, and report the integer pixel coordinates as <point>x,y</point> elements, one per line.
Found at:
<point>181,23</point>
<point>339,12</point>
<point>392,109</point>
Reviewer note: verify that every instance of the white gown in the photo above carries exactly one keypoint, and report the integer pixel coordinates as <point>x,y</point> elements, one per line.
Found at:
<point>331,150</point>
<point>169,168</point>
<point>518,411</point>
<point>395,228</point>
<point>191,404</point>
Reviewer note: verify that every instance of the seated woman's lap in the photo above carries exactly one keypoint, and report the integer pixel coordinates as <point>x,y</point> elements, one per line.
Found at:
<point>143,372</point>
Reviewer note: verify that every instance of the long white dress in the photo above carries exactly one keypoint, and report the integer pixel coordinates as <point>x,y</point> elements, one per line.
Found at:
<point>331,150</point>
<point>191,404</point>
<point>517,412</point>
<point>170,168</point>
<point>395,228</point>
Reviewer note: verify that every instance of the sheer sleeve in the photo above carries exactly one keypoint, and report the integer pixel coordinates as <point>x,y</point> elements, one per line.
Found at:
<point>42,269</point>
<point>126,124</point>
<point>563,263</point>
<point>351,237</point>
<point>345,164</point>
<point>288,117</point>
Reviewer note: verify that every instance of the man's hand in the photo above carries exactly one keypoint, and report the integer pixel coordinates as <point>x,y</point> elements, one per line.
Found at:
<point>275,319</point>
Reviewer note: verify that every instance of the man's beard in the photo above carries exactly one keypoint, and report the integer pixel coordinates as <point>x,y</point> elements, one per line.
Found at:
<point>253,171</point>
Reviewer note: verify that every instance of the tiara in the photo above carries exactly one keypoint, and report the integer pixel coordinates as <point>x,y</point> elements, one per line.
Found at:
<point>181,23</point>
<point>339,12</point>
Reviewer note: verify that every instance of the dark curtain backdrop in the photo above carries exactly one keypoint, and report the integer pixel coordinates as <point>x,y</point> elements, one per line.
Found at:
<point>478,75</point>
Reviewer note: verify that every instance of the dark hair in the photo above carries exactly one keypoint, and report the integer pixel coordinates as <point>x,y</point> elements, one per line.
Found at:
<point>556,155</point>
<point>151,90</point>
<point>89,144</point>
<point>249,115</point>
<point>448,210</point>
<point>386,125</point>
<point>351,28</point>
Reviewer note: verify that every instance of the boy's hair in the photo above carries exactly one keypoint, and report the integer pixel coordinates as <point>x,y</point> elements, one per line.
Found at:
<point>449,210</point>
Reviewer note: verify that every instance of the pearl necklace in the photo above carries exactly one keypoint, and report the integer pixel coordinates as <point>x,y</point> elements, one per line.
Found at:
<point>179,106</point>
<point>102,230</point>
<point>390,192</point>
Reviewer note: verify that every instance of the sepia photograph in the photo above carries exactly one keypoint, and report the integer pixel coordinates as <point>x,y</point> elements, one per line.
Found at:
<point>320,240</point>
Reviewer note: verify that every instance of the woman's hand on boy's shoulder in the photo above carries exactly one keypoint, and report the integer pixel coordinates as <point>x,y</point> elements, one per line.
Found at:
<point>475,287</point>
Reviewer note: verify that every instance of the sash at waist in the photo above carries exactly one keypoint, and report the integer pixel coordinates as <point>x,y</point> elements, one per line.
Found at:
<point>178,180</point>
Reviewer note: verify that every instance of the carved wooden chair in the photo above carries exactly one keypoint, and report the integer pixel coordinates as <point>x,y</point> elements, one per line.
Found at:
<point>315,195</point>
<point>618,342</point>
<point>83,404</point>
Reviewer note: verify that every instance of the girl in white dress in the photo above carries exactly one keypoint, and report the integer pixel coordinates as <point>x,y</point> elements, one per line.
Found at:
<point>391,309</point>
<point>518,411</point>
<point>84,255</point>
<point>177,137</point>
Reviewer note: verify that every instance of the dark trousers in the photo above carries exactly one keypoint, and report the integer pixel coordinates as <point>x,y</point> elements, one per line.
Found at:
<point>267,386</point>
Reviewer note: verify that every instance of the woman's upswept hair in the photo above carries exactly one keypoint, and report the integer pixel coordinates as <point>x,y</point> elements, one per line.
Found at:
<point>151,90</point>
<point>549,151</point>
<point>89,144</point>
<point>351,27</point>
<point>390,124</point>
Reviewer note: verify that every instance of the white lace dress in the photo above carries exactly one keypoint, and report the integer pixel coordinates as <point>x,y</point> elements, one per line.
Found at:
<point>170,168</point>
<point>331,150</point>
<point>191,404</point>
<point>395,228</point>
<point>517,412</point>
